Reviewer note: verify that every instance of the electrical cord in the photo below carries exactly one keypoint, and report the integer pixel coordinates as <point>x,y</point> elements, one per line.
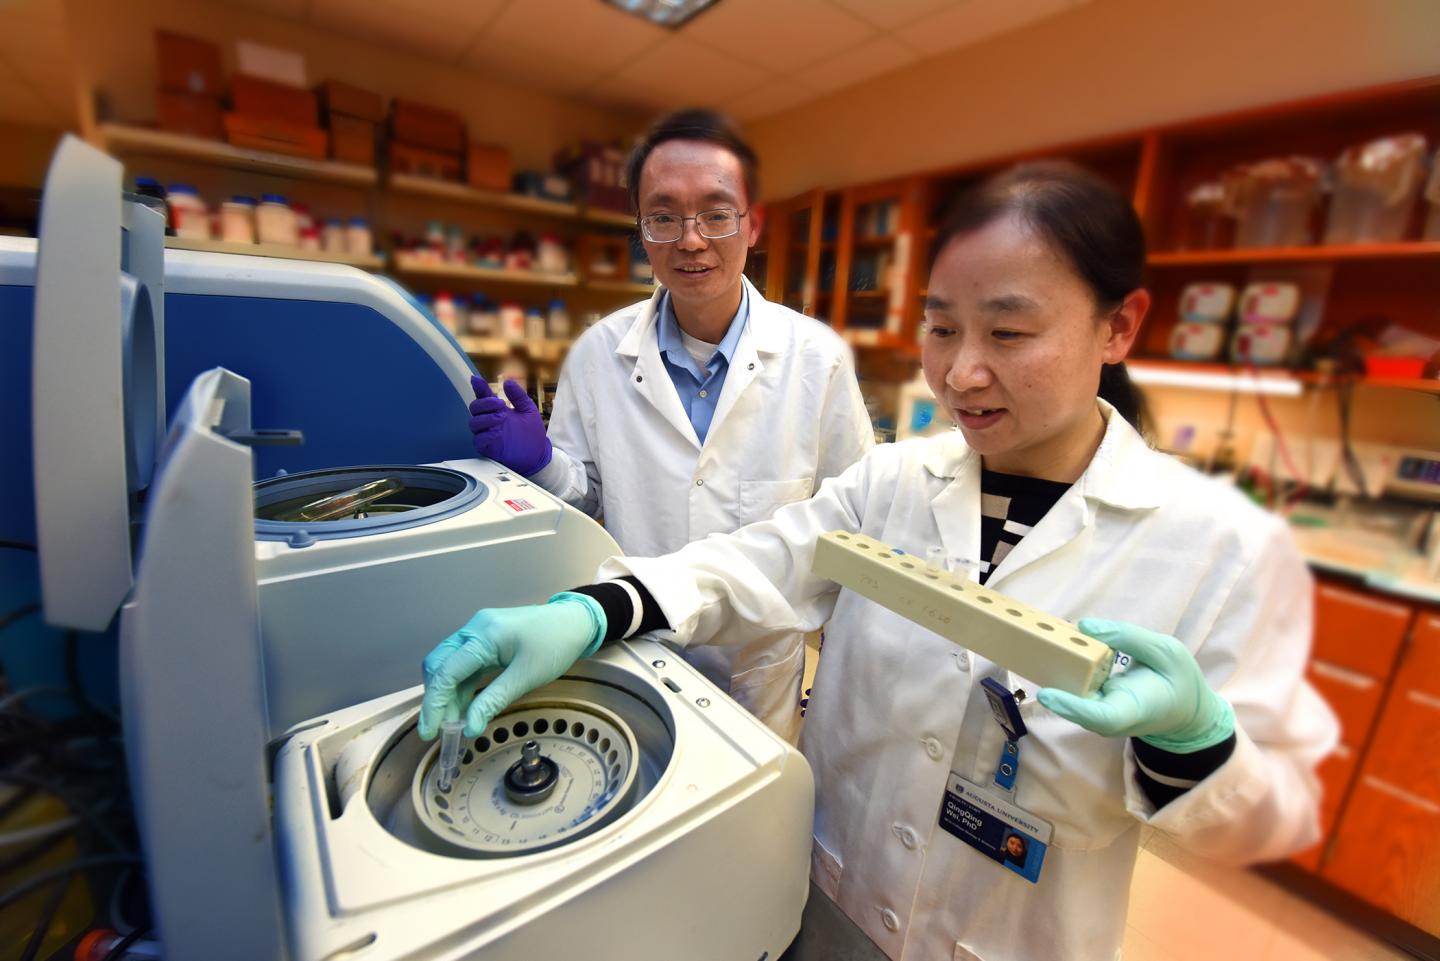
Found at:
<point>19,613</point>
<point>1344,395</point>
<point>38,881</point>
<point>117,951</point>
<point>1301,481</point>
<point>76,806</point>
<point>47,918</point>
<point>26,835</point>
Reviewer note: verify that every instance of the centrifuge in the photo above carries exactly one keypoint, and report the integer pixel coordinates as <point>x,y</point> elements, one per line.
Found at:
<point>271,633</point>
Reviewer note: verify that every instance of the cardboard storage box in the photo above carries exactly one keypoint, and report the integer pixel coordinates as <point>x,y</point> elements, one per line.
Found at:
<point>342,98</point>
<point>421,126</point>
<point>255,97</point>
<point>188,65</point>
<point>280,136</point>
<point>437,164</point>
<point>488,167</point>
<point>195,114</point>
<point>352,140</point>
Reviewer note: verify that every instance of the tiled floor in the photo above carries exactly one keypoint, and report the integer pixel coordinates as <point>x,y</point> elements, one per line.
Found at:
<point>1184,908</point>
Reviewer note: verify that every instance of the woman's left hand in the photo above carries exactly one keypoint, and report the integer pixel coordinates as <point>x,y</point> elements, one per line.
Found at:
<point>1162,698</point>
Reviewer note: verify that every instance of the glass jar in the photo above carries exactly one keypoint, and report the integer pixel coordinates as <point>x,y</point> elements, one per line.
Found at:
<point>237,220</point>
<point>1274,201</point>
<point>358,242</point>
<point>1375,189</point>
<point>275,222</point>
<point>1208,224</point>
<point>188,213</point>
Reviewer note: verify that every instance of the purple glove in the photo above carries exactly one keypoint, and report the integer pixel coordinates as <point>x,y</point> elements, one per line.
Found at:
<point>513,437</point>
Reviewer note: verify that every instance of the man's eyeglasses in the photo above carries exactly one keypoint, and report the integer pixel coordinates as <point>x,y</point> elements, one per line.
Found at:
<point>714,224</point>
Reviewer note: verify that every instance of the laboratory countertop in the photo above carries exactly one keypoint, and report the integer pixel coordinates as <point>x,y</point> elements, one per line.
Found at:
<point>826,934</point>
<point>1376,566</point>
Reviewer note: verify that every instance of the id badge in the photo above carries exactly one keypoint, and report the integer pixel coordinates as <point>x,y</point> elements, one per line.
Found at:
<point>996,828</point>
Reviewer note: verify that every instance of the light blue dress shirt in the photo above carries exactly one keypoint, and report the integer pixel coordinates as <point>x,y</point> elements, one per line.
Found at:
<point>699,388</point>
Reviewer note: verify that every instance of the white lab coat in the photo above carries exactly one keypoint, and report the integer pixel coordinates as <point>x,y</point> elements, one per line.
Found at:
<point>789,416</point>
<point>1139,537</point>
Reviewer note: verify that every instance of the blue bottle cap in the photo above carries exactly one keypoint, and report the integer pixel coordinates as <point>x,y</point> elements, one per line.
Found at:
<point>274,199</point>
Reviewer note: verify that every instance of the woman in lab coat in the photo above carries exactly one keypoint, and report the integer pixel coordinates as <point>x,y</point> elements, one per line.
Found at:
<point>1048,494</point>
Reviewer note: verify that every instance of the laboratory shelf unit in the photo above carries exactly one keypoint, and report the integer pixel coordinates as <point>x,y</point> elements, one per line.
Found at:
<point>370,262</point>
<point>461,193</point>
<point>421,267</point>
<point>121,139</point>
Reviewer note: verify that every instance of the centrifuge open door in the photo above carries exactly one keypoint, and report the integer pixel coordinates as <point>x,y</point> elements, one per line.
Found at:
<point>192,689</point>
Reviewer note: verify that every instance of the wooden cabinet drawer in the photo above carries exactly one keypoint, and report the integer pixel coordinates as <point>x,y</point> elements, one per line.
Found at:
<point>1387,851</point>
<point>1335,773</point>
<point>1358,631</point>
<point>1406,748</point>
<point>1354,697</point>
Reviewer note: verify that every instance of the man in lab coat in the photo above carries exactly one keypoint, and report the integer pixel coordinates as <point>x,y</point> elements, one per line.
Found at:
<point>701,409</point>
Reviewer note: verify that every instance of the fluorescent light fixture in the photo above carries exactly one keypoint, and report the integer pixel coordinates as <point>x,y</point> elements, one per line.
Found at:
<point>1242,383</point>
<point>667,13</point>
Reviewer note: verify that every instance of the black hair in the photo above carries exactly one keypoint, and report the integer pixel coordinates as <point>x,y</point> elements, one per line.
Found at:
<point>709,126</point>
<point>1084,219</point>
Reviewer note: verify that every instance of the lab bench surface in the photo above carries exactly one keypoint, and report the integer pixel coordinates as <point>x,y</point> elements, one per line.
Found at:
<point>826,934</point>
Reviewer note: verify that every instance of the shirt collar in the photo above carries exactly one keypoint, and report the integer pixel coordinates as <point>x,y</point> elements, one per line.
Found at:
<point>667,332</point>
<point>1124,473</point>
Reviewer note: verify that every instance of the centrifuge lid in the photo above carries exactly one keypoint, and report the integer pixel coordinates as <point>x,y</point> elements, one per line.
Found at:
<point>98,403</point>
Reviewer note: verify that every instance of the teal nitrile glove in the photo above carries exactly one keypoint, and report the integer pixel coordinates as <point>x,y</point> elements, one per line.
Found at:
<point>534,645</point>
<point>1162,699</point>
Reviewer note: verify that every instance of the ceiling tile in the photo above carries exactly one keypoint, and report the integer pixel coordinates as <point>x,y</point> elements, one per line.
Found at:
<point>679,71</point>
<point>577,31</point>
<point>778,34</point>
<point>770,97</point>
<point>869,59</point>
<point>285,9</point>
<point>536,69</point>
<point>49,11</point>
<point>391,25</point>
<point>472,14</point>
<point>890,14</point>
<point>976,20</point>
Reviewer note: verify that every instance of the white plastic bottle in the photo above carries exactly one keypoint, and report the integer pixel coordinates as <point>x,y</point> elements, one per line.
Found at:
<point>557,324</point>
<point>188,213</point>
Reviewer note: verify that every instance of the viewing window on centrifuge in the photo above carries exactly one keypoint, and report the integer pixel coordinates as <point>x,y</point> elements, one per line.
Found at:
<point>351,501</point>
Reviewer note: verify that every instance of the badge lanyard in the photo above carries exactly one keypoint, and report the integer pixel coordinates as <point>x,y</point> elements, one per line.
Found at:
<point>1007,714</point>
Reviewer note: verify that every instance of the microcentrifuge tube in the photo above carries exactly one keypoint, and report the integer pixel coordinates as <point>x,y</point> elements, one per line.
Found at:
<point>450,732</point>
<point>935,558</point>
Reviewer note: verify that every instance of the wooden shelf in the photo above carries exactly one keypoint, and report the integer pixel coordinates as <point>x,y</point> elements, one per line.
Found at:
<point>461,193</point>
<point>547,349</point>
<point>868,294</point>
<point>1273,255</point>
<point>499,200</point>
<point>619,286</point>
<point>1222,372</point>
<point>273,250</point>
<point>878,339</point>
<point>419,267</point>
<point>120,138</point>
<point>610,218</point>
<point>883,241</point>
